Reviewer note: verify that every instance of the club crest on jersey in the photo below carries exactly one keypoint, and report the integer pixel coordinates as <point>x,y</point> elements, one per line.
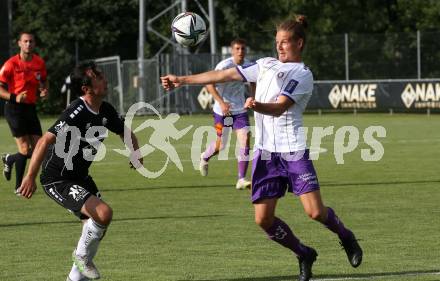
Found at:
<point>62,126</point>
<point>38,76</point>
<point>280,75</point>
<point>104,121</point>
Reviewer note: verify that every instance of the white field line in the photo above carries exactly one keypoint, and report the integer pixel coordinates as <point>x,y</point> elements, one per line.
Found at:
<point>377,276</point>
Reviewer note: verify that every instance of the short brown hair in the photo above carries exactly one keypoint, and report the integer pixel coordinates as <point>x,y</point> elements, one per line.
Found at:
<point>238,41</point>
<point>296,26</point>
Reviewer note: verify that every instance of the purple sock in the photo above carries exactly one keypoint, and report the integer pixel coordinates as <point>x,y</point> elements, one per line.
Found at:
<point>335,225</point>
<point>210,151</point>
<point>243,162</point>
<point>281,233</point>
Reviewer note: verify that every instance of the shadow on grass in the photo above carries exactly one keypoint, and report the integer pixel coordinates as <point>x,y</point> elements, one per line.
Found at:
<point>334,277</point>
<point>114,220</point>
<point>151,188</point>
<point>336,184</point>
<point>323,184</point>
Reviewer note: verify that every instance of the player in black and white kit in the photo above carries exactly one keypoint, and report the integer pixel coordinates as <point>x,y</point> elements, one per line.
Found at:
<point>66,152</point>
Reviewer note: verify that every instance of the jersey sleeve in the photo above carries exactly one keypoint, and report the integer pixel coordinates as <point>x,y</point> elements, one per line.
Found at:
<point>114,122</point>
<point>250,71</point>
<point>298,87</point>
<point>6,73</point>
<point>220,66</point>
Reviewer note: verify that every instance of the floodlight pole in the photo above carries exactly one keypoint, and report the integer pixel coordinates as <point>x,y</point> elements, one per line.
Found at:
<point>212,34</point>
<point>347,64</point>
<point>141,49</point>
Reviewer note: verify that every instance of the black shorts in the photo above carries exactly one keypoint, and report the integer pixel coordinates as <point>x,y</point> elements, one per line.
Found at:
<point>22,119</point>
<point>71,194</point>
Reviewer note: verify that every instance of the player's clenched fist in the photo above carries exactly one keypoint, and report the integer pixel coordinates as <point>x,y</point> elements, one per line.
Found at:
<point>170,82</point>
<point>250,103</point>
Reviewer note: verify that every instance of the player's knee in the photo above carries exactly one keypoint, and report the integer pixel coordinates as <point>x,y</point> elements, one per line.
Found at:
<point>264,222</point>
<point>105,214</point>
<point>25,150</point>
<point>317,215</point>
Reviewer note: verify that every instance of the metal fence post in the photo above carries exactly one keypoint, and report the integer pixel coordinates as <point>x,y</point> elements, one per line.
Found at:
<point>347,71</point>
<point>419,63</point>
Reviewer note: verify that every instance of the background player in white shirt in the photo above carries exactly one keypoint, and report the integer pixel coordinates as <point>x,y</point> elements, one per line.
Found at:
<point>229,112</point>
<point>281,163</point>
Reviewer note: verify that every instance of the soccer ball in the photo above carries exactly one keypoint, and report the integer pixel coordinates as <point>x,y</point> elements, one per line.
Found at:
<point>188,29</point>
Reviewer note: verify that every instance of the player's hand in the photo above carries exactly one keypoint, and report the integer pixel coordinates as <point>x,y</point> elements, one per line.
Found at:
<point>169,82</point>
<point>27,188</point>
<point>44,92</point>
<point>134,158</point>
<point>250,103</point>
<point>21,97</point>
<point>141,160</point>
<point>225,107</point>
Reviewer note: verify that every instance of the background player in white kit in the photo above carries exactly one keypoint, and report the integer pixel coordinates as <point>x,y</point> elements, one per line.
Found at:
<point>282,162</point>
<point>229,112</point>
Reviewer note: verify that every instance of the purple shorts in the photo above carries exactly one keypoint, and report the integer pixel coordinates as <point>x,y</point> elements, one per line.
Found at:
<point>274,173</point>
<point>237,121</point>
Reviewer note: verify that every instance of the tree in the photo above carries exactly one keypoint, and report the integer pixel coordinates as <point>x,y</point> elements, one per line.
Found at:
<point>105,27</point>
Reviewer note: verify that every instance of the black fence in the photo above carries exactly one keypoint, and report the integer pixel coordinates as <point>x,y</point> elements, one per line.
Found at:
<point>377,95</point>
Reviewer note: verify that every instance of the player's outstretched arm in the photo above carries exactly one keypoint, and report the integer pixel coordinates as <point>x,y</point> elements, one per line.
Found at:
<point>170,81</point>
<point>28,185</point>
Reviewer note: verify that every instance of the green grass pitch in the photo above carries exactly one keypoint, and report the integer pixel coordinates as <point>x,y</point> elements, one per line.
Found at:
<point>183,227</point>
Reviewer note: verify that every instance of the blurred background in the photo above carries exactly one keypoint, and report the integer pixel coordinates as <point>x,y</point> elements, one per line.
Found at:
<point>389,42</point>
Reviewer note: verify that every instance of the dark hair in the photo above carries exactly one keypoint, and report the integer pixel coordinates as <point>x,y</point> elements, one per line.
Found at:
<point>79,77</point>
<point>296,26</point>
<point>238,41</point>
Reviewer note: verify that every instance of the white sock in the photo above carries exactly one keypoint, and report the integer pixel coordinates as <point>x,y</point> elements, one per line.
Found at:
<point>91,235</point>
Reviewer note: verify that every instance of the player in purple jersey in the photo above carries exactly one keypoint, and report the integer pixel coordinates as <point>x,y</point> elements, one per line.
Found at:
<point>282,163</point>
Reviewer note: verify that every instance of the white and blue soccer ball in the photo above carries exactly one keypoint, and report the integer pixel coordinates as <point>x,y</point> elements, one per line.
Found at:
<point>188,29</point>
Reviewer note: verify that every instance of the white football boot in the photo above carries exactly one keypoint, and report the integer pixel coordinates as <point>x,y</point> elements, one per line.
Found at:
<point>86,267</point>
<point>243,184</point>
